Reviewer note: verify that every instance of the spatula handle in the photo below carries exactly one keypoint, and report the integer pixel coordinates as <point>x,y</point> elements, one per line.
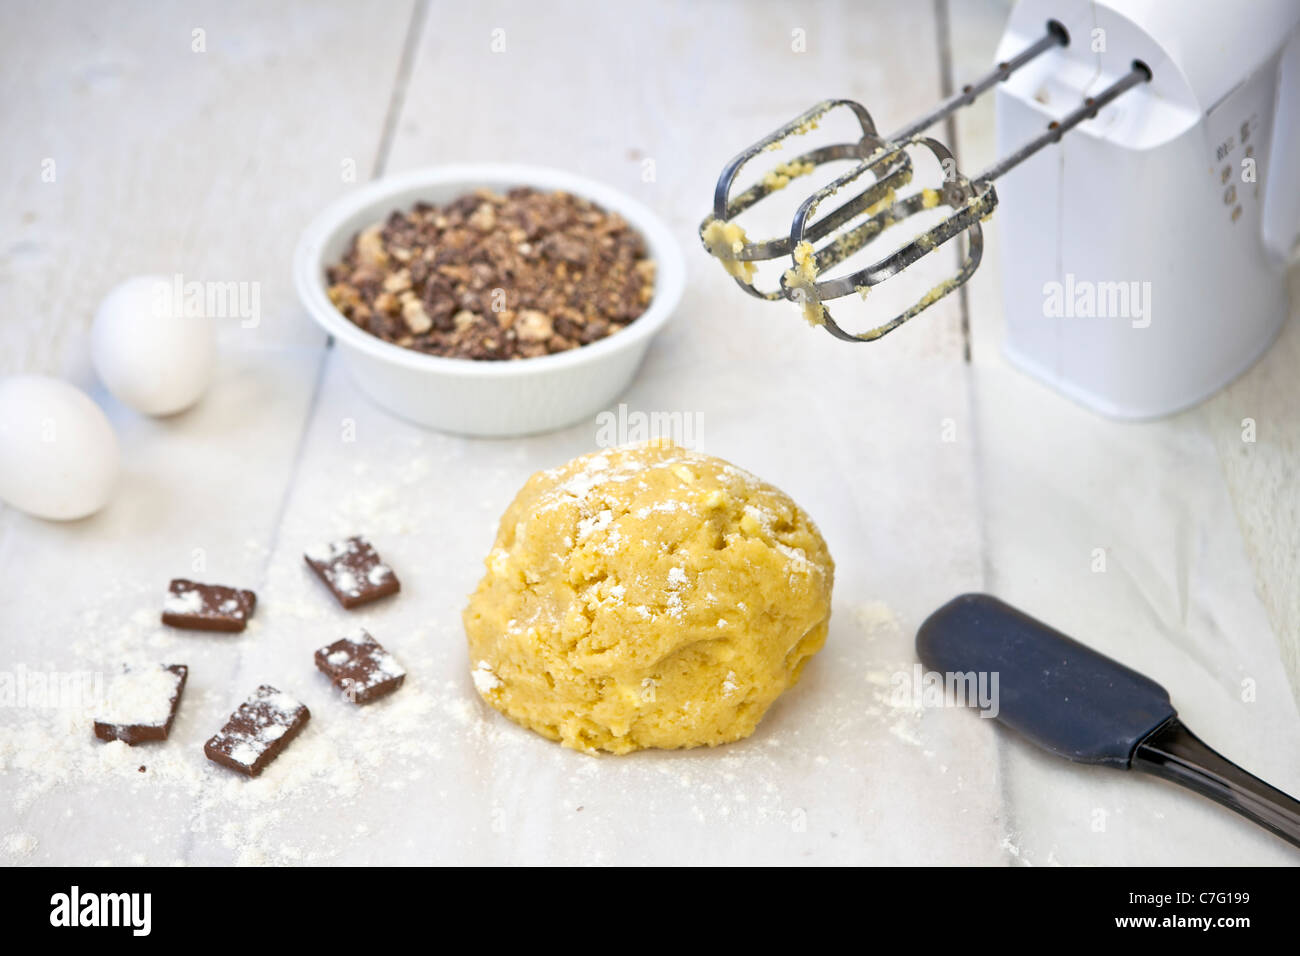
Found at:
<point>1175,753</point>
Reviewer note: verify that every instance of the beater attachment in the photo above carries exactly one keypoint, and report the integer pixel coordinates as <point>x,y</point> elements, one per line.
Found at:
<point>871,222</point>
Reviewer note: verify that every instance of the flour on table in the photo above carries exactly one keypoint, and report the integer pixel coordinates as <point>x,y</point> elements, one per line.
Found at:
<point>342,754</point>
<point>19,844</point>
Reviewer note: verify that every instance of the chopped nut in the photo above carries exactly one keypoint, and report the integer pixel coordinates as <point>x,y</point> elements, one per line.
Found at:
<point>484,218</point>
<point>413,314</point>
<point>398,281</point>
<point>489,276</point>
<point>533,326</point>
<point>344,296</point>
<point>366,275</point>
<point>566,248</point>
<point>370,247</point>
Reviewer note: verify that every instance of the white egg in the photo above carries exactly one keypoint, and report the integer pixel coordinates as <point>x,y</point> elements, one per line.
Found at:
<point>147,352</point>
<point>58,453</point>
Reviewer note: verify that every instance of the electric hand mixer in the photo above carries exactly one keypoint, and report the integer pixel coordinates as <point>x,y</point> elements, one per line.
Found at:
<point>1185,187</point>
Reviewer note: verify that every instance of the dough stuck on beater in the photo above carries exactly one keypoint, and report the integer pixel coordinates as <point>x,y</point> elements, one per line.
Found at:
<point>647,596</point>
<point>802,280</point>
<point>724,241</point>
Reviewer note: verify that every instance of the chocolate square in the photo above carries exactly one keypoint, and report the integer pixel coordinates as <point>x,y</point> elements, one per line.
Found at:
<point>207,607</point>
<point>258,731</point>
<point>141,703</point>
<point>361,668</point>
<point>353,571</point>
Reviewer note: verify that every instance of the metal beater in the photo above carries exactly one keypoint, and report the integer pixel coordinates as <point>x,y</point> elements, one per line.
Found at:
<point>887,165</point>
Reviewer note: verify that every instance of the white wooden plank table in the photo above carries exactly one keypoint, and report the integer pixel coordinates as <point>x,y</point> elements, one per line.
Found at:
<point>209,163</point>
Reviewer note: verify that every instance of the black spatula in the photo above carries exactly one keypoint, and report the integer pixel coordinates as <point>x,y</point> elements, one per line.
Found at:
<point>1083,706</point>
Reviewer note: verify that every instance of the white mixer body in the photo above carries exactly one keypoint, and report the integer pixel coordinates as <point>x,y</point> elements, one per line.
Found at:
<point>1144,257</point>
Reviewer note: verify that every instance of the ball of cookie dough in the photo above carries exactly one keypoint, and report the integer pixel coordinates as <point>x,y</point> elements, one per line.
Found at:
<point>647,596</point>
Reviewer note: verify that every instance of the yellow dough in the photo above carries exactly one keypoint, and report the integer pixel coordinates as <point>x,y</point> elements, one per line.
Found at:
<point>647,596</point>
<point>724,241</point>
<point>803,279</point>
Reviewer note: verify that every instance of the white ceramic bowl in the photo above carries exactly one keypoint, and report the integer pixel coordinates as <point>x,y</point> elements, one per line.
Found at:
<point>490,398</point>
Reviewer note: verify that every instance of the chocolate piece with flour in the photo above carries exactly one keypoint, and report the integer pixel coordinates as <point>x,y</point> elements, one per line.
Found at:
<point>141,703</point>
<point>207,607</point>
<point>353,571</point>
<point>360,667</point>
<point>258,731</point>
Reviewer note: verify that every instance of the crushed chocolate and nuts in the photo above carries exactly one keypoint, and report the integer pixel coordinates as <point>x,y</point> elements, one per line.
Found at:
<point>490,276</point>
